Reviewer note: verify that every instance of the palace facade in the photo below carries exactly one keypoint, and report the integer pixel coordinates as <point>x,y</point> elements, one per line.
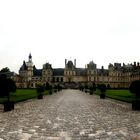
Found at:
<point>116,76</point>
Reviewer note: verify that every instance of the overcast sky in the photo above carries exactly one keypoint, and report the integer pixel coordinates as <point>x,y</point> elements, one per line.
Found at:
<point>105,31</point>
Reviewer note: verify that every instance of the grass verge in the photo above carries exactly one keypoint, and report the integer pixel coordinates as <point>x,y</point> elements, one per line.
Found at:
<point>121,95</point>
<point>22,95</point>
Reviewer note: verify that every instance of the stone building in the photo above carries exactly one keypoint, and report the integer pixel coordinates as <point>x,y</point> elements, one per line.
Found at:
<point>116,76</point>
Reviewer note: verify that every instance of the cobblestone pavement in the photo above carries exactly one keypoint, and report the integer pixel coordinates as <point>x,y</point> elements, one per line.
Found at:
<point>70,115</point>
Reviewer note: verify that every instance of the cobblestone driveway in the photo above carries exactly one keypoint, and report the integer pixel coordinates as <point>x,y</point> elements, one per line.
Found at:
<point>70,115</point>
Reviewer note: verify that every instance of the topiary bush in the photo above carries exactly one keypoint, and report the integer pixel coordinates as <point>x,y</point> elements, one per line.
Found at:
<point>40,89</point>
<point>135,89</point>
<point>7,86</point>
<point>102,88</point>
<point>92,88</point>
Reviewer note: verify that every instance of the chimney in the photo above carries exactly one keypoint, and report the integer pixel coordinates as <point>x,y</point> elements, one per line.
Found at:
<point>65,62</point>
<point>102,69</point>
<point>134,63</point>
<point>75,63</point>
<point>138,64</point>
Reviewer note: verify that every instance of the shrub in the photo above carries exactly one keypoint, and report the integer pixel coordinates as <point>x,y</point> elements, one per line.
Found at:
<point>135,88</point>
<point>91,92</point>
<point>92,88</point>
<point>102,88</point>
<point>7,86</point>
<point>40,90</point>
<point>48,86</point>
<point>81,87</point>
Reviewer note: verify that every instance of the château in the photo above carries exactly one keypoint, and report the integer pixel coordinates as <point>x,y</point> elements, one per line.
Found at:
<point>116,76</point>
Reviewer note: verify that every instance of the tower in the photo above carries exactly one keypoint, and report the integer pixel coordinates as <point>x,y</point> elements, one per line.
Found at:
<point>29,67</point>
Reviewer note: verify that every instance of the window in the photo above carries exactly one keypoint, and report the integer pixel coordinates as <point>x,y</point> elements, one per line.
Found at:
<point>89,78</point>
<point>73,72</point>
<point>57,79</point>
<point>53,79</point>
<point>61,79</point>
<point>48,78</point>
<point>89,72</point>
<point>48,72</point>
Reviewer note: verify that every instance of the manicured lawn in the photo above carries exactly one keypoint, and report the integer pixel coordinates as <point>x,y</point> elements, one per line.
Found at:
<point>122,95</point>
<point>25,94</point>
<point>22,95</point>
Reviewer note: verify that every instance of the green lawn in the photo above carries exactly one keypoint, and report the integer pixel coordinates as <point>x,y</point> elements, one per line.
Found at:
<point>122,95</point>
<point>25,94</point>
<point>22,95</point>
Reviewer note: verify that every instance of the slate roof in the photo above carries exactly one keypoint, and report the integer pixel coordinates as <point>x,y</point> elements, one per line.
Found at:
<point>80,72</point>
<point>58,72</point>
<point>8,74</point>
<point>70,65</point>
<point>24,66</point>
<point>37,72</point>
<point>103,72</point>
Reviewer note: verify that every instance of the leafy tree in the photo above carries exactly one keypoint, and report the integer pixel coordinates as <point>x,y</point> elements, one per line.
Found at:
<point>6,69</point>
<point>7,86</point>
<point>135,88</point>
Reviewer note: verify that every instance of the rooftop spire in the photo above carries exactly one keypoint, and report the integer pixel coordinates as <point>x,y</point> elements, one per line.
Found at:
<point>30,57</point>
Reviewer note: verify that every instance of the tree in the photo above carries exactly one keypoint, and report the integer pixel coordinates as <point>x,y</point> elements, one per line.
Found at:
<point>6,69</point>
